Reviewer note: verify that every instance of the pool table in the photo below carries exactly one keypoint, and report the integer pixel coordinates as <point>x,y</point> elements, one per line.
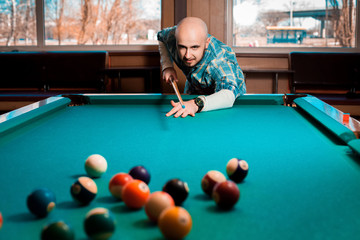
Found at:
<point>303,180</point>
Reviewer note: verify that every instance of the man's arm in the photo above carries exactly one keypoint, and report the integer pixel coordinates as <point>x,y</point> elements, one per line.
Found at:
<point>167,65</point>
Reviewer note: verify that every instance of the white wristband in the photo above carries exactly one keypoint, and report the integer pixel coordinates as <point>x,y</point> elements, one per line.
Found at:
<point>219,100</point>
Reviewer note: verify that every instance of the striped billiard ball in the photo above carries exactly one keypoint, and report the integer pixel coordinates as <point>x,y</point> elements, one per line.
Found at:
<point>99,224</point>
<point>84,190</point>
<point>57,230</point>
<point>210,179</point>
<point>95,165</point>
<point>237,169</point>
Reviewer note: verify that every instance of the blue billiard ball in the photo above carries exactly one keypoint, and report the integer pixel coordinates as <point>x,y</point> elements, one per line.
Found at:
<point>41,202</point>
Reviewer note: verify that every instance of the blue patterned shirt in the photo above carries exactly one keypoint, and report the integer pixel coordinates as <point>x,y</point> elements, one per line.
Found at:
<point>217,70</point>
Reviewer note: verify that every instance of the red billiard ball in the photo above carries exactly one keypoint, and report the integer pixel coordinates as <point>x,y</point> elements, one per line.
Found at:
<point>57,230</point>
<point>178,190</point>
<point>99,223</point>
<point>95,165</point>
<point>210,179</point>
<point>156,203</point>
<point>1,220</point>
<point>237,169</point>
<point>135,194</point>
<point>84,190</point>
<point>117,183</point>
<point>41,202</point>
<point>175,223</point>
<point>226,194</point>
<point>141,173</point>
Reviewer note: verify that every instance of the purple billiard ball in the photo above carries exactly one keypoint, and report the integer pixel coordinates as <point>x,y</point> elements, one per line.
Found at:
<point>140,173</point>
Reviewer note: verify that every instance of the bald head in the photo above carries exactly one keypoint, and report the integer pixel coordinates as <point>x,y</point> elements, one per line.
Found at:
<point>191,40</point>
<point>192,26</point>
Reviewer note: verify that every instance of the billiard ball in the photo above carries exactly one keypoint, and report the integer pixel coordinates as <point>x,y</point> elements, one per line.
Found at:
<point>156,203</point>
<point>95,165</point>
<point>84,190</point>
<point>135,194</point>
<point>41,202</point>
<point>99,224</point>
<point>141,173</point>
<point>226,194</point>
<point>178,190</point>
<point>57,230</point>
<point>210,179</point>
<point>175,223</point>
<point>117,183</point>
<point>1,220</point>
<point>237,169</point>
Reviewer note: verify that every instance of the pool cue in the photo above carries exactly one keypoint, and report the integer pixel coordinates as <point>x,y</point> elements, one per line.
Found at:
<point>176,89</point>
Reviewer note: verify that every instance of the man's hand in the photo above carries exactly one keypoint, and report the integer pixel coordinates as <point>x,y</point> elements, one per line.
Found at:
<point>190,109</point>
<point>168,74</point>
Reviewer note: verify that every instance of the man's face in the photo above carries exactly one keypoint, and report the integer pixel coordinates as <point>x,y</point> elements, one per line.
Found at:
<point>191,48</point>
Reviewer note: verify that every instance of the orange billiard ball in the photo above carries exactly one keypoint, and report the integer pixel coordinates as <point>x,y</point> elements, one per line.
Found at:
<point>226,194</point>
<point>175,223</point>
<point>156,203</point>
<point>135,194</point>
<point>210,179</point>
<point>117,183</point>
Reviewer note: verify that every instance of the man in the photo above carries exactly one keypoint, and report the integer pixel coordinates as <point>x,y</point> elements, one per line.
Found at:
<point>209,65</point>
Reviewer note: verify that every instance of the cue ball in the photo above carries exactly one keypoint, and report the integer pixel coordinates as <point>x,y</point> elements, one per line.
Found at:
<point>99,224</point>
<point>226,194</point>
<point>117,183</point>
<point>57,230</point>
<point>237,169</point>
<point>175,223</point>
<point>140,172</point>
<point>135,194</point>
<point>178,190</point>
<point>95,165</point>
<point>210,179</point>
<point>156,203</point>
<point>84,190</point>
<point>41,202</point>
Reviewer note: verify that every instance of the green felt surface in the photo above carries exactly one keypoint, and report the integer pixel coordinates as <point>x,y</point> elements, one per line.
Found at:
<point>303,183</point>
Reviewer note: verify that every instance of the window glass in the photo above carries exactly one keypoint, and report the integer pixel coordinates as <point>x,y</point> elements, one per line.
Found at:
<point>101,22</point>
<point>294,23</point>
<point>17,23</point>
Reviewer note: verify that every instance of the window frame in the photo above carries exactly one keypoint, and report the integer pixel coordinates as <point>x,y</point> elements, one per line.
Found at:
<point>40,46</point>
<point>283,50</point>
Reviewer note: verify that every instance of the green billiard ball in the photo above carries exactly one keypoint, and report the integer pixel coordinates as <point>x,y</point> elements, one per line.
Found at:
<point>99,224</point>
<point>57,231</point>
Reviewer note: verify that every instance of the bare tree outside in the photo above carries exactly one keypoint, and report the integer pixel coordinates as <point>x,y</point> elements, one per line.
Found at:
<point>17,22</point>
<point>81,22</point>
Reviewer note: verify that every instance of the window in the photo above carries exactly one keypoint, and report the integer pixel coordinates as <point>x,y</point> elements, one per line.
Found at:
<point>79,22</point>
<point>294,23</point>
<point>17,23</point>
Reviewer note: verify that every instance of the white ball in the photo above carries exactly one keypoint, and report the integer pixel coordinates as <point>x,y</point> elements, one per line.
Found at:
<point>95,165</point>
